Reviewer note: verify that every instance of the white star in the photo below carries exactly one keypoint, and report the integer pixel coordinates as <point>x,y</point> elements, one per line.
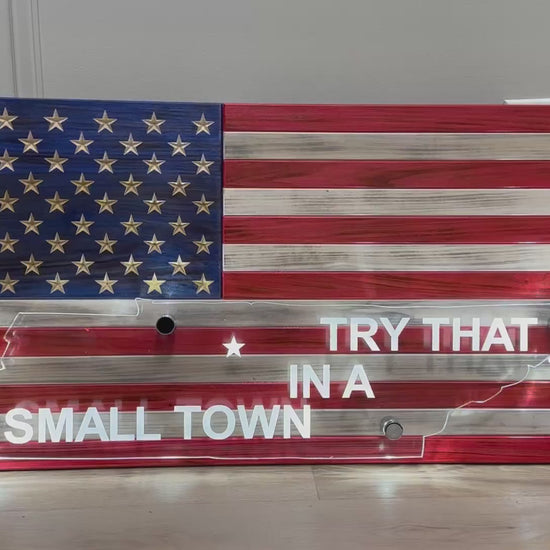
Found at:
<point>233,347</point>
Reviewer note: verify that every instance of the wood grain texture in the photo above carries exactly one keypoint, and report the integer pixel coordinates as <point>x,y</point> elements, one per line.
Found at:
<point>485,449</point>
<point>386,202</point>
<point>387,230</point>
<point>386,257</point>
<point>224,509</point>
<point>231,313</point>
<point>101,341</point>
<point>389,285</point>
<point>386,118</point>
<point>386,146</point>
<point>395,174</point>
<point>208,370</point>
<point>389,395</point>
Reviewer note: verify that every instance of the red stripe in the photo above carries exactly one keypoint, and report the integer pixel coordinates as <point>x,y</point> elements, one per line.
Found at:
<point>386,118</point>
<point>387,174</point>
<point>386,230</point>
<point>95,341</point>
<point>163,397</point>
<point>485,449</point>
<point>391,285</point>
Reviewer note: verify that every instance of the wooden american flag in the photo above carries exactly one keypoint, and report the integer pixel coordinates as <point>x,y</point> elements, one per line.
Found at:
<point>340,211</point>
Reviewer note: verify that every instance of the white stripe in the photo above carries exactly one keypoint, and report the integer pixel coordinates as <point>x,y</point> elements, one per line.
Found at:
<point>386,202</point>
<point>235,313</point>
<point>372,257</point>
<point>178,369</point>
<point>430,146</point>
<point>350,422</point>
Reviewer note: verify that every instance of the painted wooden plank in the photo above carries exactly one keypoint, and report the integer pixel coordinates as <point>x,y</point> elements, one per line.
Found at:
<point>388,285</point>
<point>150,370</point>
<point>396,174</point>
<point>99,341</point>
<point>385,118</point>
<point>387,202</point>
<point>350,422</point>
<point>386,146</point>
<point>389,395</point>
<point>391,257</point>
<point>232,313</point>
<point>438,449</point>
<point>386,229</point>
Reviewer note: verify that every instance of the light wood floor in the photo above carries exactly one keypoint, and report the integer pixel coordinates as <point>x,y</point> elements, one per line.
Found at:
<point>264,508</point>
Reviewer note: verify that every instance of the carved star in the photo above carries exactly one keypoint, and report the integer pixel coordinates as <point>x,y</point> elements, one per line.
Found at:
<point>179,266</point>
<point>105,163</point>
<point>81,144</point>
<point>178,146</point>
<point>203,205</point>
<point>130,145</point>
<point>178,226</point>
<point>131,266</point>
<point>154,165</point>
<point>57,284</point>
<point>82,225</point>
<point>106,244</point>
<point>83,265</point>
<point>31,184</point>
<point>154,204</point>
<point>153,124</point>
<point>131,226</point>
<point>154,284</point>
<point>203,125</point>
<point>131,185</point>
<point>57,244</point>
<point>106,204</point>
<point>6,161</point>
<point>57,203</point>
<point>8,284</point>
<point>106,284</point>
<point>203,165</point>
<point>203,285</point>
<point>7,243</point>
<point>56,121</point>
<point>202,245</point>
<point>7,202</point>
<point>233,347</point>
<point>56,162</point>
<point>6,120</point>
<point>30,143</point>
<point>105,123</point>
<point>31,225</point>
<point>154,245</point>
<point>32,265</point>
<point>82,185</point>
<point>179,187</point>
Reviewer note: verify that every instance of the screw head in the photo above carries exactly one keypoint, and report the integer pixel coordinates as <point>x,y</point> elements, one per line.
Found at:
<point>391,428</point>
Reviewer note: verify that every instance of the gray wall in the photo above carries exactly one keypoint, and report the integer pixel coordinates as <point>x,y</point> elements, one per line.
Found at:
<point>372,51</point>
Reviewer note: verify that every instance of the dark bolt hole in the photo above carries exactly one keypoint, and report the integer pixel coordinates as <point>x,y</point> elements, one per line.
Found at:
<point>166,325</point>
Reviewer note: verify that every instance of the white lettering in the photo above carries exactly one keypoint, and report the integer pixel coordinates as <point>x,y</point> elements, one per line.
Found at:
<point>17,424</point>
<point>91,425</point>
<point>365,335</point>
<point>258,413</point>
<point>46,423</point>
<point>333,323</point>
<point>435,323</point>
<point>394,332</point>
<point>358,381</point>
<point>290,416</point>
<point>207,422</point>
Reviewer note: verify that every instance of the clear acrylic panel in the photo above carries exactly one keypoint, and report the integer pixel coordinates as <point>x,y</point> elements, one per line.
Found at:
<point>161,382</point>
